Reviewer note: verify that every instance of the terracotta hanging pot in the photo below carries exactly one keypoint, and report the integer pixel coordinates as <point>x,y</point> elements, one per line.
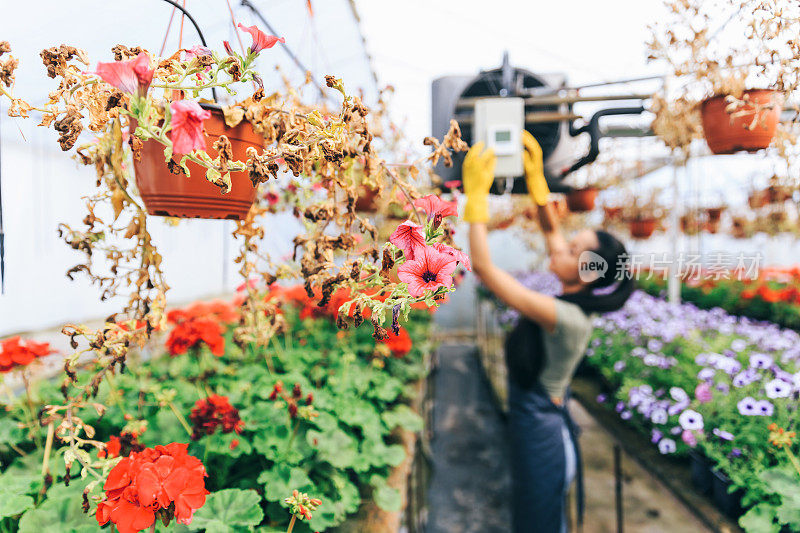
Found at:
<point>613,212</point>
<point>714,213</point>
<point>581,200</point>
<point>642,228</point>
<point>728,133</point>
<point>367,200</point>
<point>758,199</point>
<point>176,195</point>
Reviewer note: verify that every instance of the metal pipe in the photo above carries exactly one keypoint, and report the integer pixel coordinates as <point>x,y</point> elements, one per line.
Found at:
<point>466,103</point>
<point>197,28</point>
<point>618,487</point>
<point>530,118</point>
<point>294,58</point>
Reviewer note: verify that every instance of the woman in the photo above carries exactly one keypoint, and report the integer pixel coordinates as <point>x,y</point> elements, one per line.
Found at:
<point>544,349</point>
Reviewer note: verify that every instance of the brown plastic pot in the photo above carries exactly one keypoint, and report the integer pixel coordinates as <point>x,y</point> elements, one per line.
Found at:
<point>367,200</point>
<point>176,195</point>
<point>642,228</point>
<point>728,133</point>
<point>581,200</point>
<point>714,213</point>
<point>613,212</point>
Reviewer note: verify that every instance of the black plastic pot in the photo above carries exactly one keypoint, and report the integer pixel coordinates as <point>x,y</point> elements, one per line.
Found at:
<point>702,477</point>
<point>729,503</point>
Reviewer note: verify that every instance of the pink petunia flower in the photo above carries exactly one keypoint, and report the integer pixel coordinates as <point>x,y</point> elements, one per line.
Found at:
<point>429,270</point>
<point>131,76</point>
<point>260,39</point>
<point>460,256</point>
<point>409,238</point>
<point>187,126</point>
<point>196,51</point>
<point>433,205</point>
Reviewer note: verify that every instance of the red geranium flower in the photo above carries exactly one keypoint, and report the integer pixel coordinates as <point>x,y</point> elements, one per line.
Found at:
<point>131,76</point>
<point>14,352</point>
<point>191,332</point>
<point>260,39</point>
<point>164,479</point>
<point>215,411</point>
<point>433,205</point>
<point>399,344</point>
<point>430,270</point>
<point>409,238</point>
<point>121,446</point>
<point>186,129</point>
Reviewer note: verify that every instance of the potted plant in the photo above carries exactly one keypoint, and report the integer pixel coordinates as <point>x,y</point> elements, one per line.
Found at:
<point>582,200</point>
<point>189,156</point>
<point>733,78</point>
<point>644,217</point>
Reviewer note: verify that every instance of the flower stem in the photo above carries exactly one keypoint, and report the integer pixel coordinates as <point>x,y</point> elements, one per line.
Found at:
<point>48,445</point>
<point>291,524</point>
<point>180,418</point>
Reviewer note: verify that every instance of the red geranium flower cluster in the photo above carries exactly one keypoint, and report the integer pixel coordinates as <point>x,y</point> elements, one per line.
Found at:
<point>218,310</point>
<point>215,411</point>
<point>15,352</point>
<point>121,446</point>
<point>400,344</point>
<point>164,482</point>
<point>293,401</point>
<point>193,331</point>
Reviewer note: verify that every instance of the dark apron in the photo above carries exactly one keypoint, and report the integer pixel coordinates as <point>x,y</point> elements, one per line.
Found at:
<point>539,461</point>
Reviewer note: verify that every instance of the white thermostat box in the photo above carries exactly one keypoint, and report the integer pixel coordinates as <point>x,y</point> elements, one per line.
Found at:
<point>498,123</point>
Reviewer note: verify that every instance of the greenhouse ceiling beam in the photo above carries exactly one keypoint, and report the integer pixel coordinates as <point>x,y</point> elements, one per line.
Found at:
<point>285,47</point>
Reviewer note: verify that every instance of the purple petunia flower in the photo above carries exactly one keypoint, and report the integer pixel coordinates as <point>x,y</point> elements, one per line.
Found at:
<point>738,345</point>
<point>625,415</point>
<point>691,420</point>
<point>761,360</point>
<point>659,416</point>
<point>706,374</point>
<point>619,366</point>
<point>656,436</point>
<point>777,388</point>
<point>601,398</point>
<point>765,408</point>
<point>678,394</point>
<point>724,435</point>
<point>747,407</point>
<point>736,452</point>
<point>666,446</point>
<point>654,345</point>
<point>619,407</point>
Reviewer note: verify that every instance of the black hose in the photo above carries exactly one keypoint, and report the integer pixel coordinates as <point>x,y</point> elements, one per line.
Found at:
<point>197,28</point>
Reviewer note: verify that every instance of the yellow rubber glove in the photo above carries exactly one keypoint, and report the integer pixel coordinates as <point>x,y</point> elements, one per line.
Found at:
<point>478,174</point>
<point>534,169</point>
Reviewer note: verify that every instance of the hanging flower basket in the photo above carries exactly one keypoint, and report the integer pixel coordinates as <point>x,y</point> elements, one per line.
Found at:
<point>642,228</point>
<point>749,128</point>
<point>714,213</point>
<point>176,195</point>
<point>613,213</point>
<point>581,200</point>
<point>367,199</point>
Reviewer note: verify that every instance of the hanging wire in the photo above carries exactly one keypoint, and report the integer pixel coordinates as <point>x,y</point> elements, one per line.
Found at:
<point>2,233</point>
<point>166,33</point>
<point>188,15</point>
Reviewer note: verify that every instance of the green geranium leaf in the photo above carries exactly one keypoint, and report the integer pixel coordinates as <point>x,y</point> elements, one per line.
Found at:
<point>760,519</point>
<point>62,508</point>
<point>228,511</point>
<point>282,479</point>
<point>335,447</point>
<point>12,505</point>
<point>387,498</point>
<point>402,416</point>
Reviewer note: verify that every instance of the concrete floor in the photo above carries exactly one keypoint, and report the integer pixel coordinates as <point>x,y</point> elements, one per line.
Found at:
<point>470,480</point>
